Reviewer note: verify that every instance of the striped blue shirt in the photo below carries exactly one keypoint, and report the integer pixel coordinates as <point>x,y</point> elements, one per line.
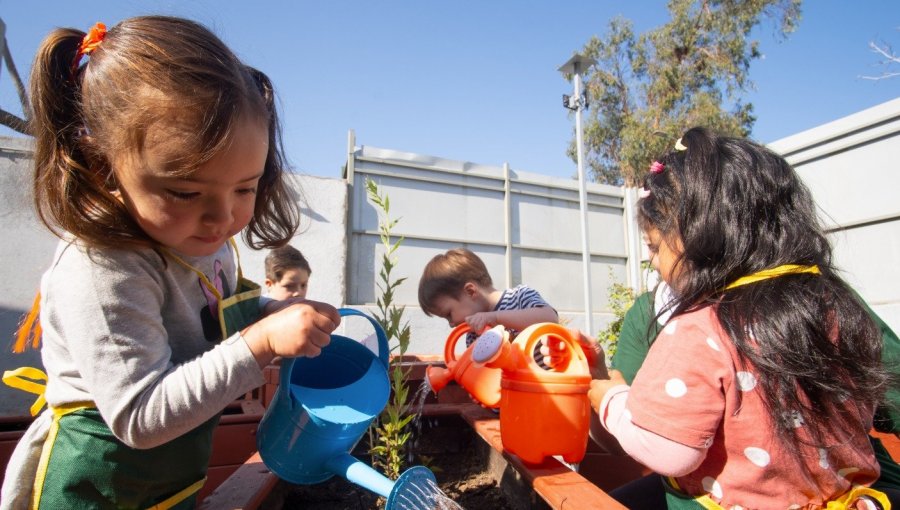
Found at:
<point>520,297</point>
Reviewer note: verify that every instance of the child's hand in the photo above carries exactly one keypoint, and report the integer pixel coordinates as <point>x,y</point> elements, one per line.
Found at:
<point>599,387</point>
<point>280,304</point>
<point>481,320</point>
<point>301,328</point>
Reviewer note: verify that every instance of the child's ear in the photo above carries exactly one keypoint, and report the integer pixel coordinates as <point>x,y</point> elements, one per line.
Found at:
<point>471,289</point>
<point>269,283</point>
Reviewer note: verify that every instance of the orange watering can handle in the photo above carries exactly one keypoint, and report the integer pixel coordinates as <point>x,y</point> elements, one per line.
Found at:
<point>450,347</point>
<point>531,335</point>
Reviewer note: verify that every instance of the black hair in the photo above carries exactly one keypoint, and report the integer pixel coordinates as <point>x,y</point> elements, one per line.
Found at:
<point>739,208</point>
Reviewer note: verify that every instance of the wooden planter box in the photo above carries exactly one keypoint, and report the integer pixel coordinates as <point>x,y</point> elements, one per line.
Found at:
<point>547,485</point>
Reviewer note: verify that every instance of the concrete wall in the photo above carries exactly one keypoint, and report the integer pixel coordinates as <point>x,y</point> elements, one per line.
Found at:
<point>852,167</point>
<point>25,252</point>
<point>526,228</point>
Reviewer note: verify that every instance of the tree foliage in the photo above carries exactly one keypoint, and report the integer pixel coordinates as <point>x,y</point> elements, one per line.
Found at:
<point>645,90</point>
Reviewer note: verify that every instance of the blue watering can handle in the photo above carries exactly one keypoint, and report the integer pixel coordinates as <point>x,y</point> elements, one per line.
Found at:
<point>286,363</point>
<point>379,332</point>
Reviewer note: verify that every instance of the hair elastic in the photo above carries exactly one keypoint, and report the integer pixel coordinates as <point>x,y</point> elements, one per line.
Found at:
<point>90,43</point>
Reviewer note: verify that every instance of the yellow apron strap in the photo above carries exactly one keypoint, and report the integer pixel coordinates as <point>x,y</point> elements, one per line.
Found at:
<point>848,500</point>
<point>19,379</point>
<point>47,449</point>
<point>237,255</point>
<point>179,496</point>
<point>765,274</point>
<point>705,501</point>
<point>845,502</point>
<point>212,288</point>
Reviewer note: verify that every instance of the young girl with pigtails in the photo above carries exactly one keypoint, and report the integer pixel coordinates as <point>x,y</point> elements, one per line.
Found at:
<point>149,157</point>
<point>760,390</point>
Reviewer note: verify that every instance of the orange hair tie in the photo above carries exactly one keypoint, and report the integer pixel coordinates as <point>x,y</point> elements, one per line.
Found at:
<point>30,329</point>
<point>90,43</point>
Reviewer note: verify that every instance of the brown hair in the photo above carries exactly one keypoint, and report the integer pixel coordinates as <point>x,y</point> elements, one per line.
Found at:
<point>149,72</point>
<point>446,275</point>
<point>283,259</point>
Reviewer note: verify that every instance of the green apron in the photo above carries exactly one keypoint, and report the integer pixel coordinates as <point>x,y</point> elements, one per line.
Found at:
<point>83,465</point>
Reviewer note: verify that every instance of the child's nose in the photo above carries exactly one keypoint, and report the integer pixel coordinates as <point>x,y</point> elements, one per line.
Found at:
<point>218,212</point>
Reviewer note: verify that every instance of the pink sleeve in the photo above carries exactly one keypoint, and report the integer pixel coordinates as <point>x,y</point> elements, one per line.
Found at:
<point>679,391</point>
<point>668,458</point>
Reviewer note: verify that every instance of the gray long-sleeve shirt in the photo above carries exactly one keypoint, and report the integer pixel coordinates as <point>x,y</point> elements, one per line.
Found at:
<point>136,335</point>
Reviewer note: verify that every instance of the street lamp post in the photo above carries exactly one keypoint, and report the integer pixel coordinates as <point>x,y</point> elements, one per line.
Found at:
<point>575,66</point>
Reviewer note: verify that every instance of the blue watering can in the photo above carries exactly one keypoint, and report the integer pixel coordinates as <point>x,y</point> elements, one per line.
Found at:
<point>321,409</point>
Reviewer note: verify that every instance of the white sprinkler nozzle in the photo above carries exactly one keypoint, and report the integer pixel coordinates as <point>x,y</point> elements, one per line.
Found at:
<point>487,346</point>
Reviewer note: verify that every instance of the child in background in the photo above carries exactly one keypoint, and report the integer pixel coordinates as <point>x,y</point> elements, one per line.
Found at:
<point>760,390</point>
<point>456,286</point>
<point>287,273</point>
<point>148,158</point>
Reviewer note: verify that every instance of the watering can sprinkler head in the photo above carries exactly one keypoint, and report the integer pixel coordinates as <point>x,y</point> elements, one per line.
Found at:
<point>493,349</point>
<point>489,345</point>
<point>415,488</point>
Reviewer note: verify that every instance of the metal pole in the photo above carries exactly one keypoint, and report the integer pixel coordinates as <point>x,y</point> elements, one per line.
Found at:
<point>582,199</point>
<point>507,225</point>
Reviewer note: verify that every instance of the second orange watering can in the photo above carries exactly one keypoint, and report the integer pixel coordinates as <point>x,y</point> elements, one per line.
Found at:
<point>542,412</point>
<point>482,382</point>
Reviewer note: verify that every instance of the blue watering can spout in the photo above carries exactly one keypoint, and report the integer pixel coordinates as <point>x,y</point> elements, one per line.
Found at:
<point>414,489</point>
<point>322,408</point>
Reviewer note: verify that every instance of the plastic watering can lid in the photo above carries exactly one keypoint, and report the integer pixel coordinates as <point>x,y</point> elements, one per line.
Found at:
<point>487,347</point>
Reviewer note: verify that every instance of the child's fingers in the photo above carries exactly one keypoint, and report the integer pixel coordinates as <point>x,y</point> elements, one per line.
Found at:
<point>327,317</point>
<point>616,377</point>
<point>310,350</point>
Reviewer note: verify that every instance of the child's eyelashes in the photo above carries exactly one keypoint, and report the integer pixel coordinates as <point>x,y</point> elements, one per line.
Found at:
<point>186,196</point>
<point>182,196</point>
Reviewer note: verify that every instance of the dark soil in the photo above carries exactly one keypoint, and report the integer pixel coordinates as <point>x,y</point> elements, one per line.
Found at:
<point>446,445</point>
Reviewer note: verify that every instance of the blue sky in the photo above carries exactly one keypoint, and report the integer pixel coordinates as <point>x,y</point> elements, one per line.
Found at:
<point>474,80</point>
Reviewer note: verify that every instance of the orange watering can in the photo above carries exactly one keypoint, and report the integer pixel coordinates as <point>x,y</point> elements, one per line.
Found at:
<point>542,412</point>
<point>482,382</point>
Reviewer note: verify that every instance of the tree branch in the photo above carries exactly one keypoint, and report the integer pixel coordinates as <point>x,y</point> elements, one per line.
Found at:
<point>888,54</point>
<point>17,81</point>
<point>13,122</point>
